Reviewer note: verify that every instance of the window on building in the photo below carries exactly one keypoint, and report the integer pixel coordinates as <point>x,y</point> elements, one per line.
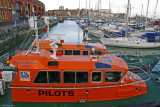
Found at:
<point>10,14</point>
<point>2,15</point>
<point>96,76</point>
<point>79,77</point>
<point>54,77</point>
<point>6,15</point>
<point>76,52</point>
<point>85,52</point>
<point>68,52</point>
<point>113,76</point>
<point>41,77</point>
<point>9,3</point>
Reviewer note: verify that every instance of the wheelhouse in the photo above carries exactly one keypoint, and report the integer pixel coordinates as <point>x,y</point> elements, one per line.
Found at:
<point>71,48</point>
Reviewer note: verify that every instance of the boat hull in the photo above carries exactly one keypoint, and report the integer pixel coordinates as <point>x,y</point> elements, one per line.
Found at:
<point>76,94</point>
<point>130,44</point>
<point>96,34</point>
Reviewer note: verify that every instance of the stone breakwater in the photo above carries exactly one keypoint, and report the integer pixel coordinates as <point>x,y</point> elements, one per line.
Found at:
<point>13,33</point>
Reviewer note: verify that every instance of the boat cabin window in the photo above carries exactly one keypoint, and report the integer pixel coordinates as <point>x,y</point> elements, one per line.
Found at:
<point>99,65</point>
<point>41,77</point>
<point>85,52</point>
<point>51,51</point>
<point>72,52</point>
<point>76,52</point>
<point>34,47</point>
<point>106,59</point>
<point>68,52</point>
<point>113,76</point>
<point>57,51</point>
<point>52,77</point>
<point>75,77</point>
<point>97,52</point>
<point>96,76</point>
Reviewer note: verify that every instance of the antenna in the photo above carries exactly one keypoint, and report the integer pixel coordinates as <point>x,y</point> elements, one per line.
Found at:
<point>54,49</point>
<point>46,21</point>
<point>59,36</point>
<point>33,25</point>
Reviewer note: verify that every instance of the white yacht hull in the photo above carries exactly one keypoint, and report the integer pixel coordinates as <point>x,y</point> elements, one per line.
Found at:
<point>128,43</point>
<point>96,34</point>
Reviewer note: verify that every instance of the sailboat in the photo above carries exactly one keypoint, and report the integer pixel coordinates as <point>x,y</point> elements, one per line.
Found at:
<point>152,40</point>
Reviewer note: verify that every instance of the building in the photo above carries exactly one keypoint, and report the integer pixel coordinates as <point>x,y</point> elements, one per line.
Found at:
<point>66,12</point>
<point>20,9</point>
<point>61,7</point>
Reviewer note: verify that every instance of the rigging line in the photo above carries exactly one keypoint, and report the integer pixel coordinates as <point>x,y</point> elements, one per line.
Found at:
<point>23,42</point>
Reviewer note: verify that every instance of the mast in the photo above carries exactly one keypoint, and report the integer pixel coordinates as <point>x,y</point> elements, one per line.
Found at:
<point>109,11</point>
<point>141,13</point>
<point>155,10</point>
<point>126,34</point>
<point>89,9</point>
<point>142,10</point>
<point>86,9</point>
<point>130,16</point>
<point>147,12</point>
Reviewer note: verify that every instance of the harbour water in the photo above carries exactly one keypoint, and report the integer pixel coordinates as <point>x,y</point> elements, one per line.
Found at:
<point>73,33</point>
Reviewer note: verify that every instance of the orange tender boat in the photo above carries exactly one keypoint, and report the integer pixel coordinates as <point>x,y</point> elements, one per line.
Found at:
<point>41,78</point>
<point>72,48</point>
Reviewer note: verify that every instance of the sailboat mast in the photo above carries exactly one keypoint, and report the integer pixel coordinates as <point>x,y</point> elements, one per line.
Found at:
<point>79,9</point>
<point>141,10</point>
<point>86,10</point>
<point>141,13</point>
<point>155,10</point>
<point>109,11</point>
<point>126,34</point>
<point>147,12</point>
<point>89,10</point>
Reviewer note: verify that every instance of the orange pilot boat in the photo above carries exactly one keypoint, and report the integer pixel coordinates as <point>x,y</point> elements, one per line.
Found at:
<point>71,48</point>
<point>46,77</point>
<point>43,76</point>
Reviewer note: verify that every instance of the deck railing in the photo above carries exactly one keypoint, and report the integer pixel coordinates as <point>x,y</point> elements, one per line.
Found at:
<point>3,59</point>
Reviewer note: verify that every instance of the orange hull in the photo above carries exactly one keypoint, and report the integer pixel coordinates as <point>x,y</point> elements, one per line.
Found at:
<point>75,95</point>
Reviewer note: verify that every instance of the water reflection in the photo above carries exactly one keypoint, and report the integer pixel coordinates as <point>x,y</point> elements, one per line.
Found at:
<point>73,33</point>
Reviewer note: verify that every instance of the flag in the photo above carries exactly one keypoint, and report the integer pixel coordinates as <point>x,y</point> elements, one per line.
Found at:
<point>45,28</point>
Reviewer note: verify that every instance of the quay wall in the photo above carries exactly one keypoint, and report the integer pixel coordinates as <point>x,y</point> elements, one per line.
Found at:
<point>13,34</point>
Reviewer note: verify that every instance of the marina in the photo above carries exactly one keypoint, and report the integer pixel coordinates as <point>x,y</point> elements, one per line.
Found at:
<point>85,57</point>
<point>133,100</point>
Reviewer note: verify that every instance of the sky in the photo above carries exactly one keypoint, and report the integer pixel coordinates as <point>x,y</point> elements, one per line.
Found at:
<point>117,6</point>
